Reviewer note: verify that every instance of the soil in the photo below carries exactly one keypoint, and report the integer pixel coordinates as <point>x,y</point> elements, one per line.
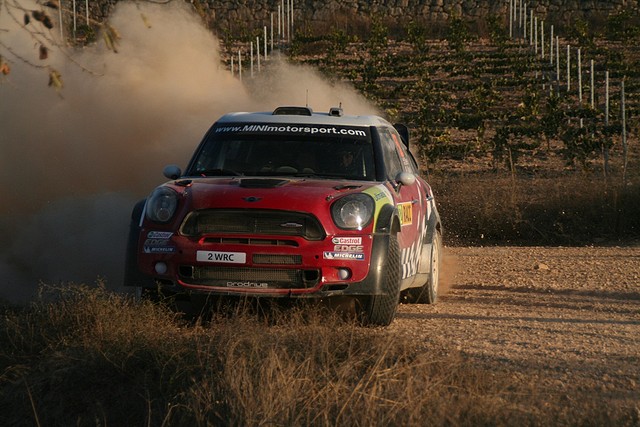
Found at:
<point>565,319</point>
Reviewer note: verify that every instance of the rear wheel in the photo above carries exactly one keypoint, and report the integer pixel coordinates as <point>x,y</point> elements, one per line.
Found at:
<point>380,310</point>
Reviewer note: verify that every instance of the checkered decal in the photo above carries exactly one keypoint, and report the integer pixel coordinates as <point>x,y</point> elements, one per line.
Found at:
<point>409,260</point>
<point>410,257</point>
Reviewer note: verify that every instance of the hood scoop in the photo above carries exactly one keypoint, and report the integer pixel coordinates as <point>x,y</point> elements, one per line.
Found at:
<point>346,187</point>
<point>262,182</point>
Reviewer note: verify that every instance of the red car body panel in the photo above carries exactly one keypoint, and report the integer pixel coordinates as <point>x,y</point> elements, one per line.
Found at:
<point>278,236</point>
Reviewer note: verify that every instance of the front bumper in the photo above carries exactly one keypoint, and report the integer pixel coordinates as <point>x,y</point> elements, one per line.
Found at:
<point>294,267</point>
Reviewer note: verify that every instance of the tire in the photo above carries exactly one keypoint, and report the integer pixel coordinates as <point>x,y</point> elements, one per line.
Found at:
<point>428,293</point>
<point>380,310</point>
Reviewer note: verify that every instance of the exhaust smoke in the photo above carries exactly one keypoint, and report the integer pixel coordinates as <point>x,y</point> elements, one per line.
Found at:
<point>74,162</point>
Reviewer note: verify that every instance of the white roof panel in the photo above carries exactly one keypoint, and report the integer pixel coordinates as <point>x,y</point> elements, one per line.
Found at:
<point>315,118</point>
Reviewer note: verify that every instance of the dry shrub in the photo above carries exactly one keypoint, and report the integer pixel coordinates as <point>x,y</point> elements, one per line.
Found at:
<point>568,210</point>
<point>84,356</point>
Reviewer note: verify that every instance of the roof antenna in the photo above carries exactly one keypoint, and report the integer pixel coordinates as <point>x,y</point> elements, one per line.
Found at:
<point>307,101</point>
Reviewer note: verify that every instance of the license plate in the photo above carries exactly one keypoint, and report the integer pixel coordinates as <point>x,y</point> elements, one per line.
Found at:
<point>223,257</point>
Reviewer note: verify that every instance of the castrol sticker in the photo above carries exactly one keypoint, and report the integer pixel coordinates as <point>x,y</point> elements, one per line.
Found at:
<point>347,240</point>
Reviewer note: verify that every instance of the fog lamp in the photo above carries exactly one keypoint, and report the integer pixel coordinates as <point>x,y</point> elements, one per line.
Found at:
<point>160,267</point>
<point>344,273</point>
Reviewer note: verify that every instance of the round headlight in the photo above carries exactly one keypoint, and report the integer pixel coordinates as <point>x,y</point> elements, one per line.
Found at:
<point>353,212</point>
<point>162,204</point>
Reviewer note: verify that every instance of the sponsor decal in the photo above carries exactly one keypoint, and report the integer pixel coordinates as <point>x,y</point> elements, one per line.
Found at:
<point>379,196</point>
<point>406,213</point>
<point>348,248</point>
<point>304,129</point>
<point>159,250</point>
<point>247,285</point>
<point>347,240</point>
<point>222,257</point>
<point>344,255</point>
<point>158,246</point>
<point>159,234</point>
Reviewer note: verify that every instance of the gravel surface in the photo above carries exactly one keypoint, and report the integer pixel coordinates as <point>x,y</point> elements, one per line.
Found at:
<point>567,319</point>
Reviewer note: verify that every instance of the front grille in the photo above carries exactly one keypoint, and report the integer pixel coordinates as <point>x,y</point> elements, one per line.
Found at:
<point>272,278</point>
<point>277,259</point>
<point>250,241</point>
<point>255,222</point>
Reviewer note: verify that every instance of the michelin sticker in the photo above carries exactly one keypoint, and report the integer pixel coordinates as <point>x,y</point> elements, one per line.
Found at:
<point>344,255</point>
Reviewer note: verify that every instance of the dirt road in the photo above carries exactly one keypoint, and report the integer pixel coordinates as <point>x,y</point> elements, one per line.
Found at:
<point>567,319</point>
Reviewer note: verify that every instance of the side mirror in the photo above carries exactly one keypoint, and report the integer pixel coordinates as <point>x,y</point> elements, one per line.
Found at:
<point>406,178</point>
<point>172,172</point>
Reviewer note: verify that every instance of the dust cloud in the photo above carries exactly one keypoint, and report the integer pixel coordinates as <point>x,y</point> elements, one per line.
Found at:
<point>449,272</point>
<point>74,162</point>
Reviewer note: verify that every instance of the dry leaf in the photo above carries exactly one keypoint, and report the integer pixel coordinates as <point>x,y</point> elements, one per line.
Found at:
<point>55,79</point>
<point>114,33</point>
<point>38,15</point>
<point>47,22</point>
<point>109,41</point>
<point>146,21</point>
<point>111,37</point>
<point>4,68</point>
<point>44,52</point>
<point>54,4</point>
<point>42,17</point>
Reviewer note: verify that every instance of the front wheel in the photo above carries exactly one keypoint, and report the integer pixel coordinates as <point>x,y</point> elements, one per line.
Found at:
<point>380,310</point>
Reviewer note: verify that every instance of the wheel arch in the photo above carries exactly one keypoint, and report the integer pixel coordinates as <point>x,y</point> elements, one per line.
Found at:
<point>132,275</point>
<point>388,220</point>
<point>433,222</point>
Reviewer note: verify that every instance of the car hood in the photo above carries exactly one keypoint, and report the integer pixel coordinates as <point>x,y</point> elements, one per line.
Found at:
<point>297,194</point>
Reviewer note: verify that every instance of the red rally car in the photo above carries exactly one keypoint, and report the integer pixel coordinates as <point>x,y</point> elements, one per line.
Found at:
<point>296,204</point>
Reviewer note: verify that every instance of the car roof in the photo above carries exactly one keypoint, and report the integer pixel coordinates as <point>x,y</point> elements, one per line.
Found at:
<point>303,115</point>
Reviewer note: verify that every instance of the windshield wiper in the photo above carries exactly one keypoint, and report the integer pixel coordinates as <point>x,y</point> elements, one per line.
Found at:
<point>218,172</point>
<point>313,175</point>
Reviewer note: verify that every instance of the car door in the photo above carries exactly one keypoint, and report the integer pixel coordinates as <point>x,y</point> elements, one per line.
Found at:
<point>409,200</point>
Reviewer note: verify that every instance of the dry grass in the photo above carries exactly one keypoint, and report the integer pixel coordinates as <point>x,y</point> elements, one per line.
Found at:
<point>84,356</point>
<point>573,209</point>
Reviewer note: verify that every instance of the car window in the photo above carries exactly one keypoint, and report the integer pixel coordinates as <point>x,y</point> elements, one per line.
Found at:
<point>409,163</point>
<point>297,154</point>
<point>412,164</point>
<point>390,145</point>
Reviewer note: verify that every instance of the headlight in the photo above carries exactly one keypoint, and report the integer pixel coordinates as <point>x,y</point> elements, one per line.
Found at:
<point>162,204</point>
<point>353,212</point>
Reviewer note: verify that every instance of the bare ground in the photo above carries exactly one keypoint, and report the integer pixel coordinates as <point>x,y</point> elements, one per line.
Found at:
<point>564,319</point>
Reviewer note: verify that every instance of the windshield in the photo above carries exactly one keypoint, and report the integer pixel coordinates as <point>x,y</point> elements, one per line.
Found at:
<point>326,156</point>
